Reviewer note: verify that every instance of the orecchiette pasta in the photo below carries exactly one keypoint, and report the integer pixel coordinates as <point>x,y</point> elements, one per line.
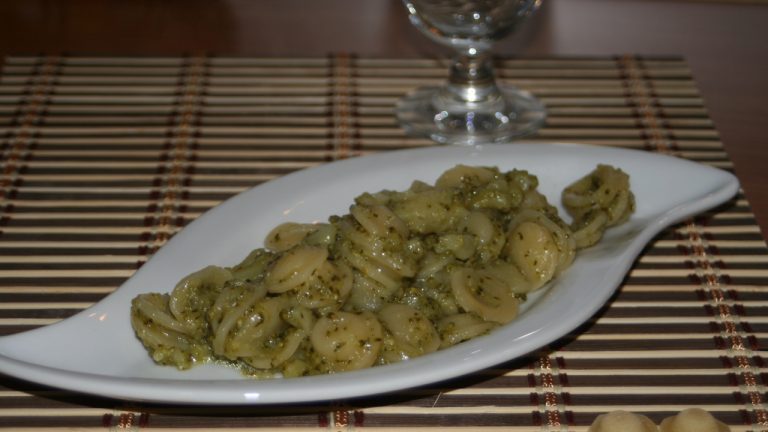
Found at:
<point>622,421</point>
<point>459,327</point>
<point>484,295</point>
<point>598,200</point>
<point>564,244</point>
<point>346,341</point>
<point>193,296</point>
<point>403,274</point>
<point>246,323</point>
<point>165,338</point>
<point>693,420</point>
<point>687,420</point>
<point>412,334</point>
<point>296,267</point>
<point>287,235</point>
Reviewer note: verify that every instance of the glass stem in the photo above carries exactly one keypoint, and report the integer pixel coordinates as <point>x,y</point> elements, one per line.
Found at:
<point>471,86</point>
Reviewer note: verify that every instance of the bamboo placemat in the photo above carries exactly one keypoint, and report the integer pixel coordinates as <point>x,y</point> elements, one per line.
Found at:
<point>105,158</point>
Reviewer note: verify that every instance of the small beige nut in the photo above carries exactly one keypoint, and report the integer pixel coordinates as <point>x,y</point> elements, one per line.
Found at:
<point>622,421</point>
<point>693,420</point>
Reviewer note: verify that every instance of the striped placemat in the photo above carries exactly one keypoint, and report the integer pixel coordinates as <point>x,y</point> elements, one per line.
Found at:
<point>105,158</point>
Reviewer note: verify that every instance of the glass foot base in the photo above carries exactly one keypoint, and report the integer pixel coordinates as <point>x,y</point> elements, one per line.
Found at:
<point>516,115</point>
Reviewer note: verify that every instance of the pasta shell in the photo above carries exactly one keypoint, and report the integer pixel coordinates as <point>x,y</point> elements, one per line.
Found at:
<point>299,317</point>
<point>510,275</point>
<point>236,295</point>
<point>531,247</point>
<point>329,287</point>
<point>413,333</point>
<point>254,266</point>
<point>693,420</point>
<point>366,294</point>
<point>461,175</point>
<point>589,229</point>
<point>154,307</point>
<point>457,328</point>
<point>484,295</point>
<point>195,294</point>
<point>560,232</point>
<point>167,340</point>
<point>279,352</point>
<point>294,268</point>
<point>622,421</point>
<point>379,221</point>
<point>245,327</point>
<point>370,268</point>
<point>287,235</point>
<point>347,341</point>
<point>605,189</point>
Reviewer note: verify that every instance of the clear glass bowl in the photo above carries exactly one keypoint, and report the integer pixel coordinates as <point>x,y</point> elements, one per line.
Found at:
<point>470,108</point>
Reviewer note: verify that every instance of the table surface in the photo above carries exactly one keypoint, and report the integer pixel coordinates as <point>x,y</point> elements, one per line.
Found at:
<point>723,42</point>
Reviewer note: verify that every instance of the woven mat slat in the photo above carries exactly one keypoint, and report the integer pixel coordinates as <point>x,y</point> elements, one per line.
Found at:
<point>105,158</point>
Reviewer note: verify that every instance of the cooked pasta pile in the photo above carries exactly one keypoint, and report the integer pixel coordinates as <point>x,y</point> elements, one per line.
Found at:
<point>401,275</point>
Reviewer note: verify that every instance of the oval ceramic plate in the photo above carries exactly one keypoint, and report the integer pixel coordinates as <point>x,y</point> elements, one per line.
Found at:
<point>96,351</point>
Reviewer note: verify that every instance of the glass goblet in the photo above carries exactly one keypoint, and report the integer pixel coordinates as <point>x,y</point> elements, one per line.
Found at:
<point>471,108</point>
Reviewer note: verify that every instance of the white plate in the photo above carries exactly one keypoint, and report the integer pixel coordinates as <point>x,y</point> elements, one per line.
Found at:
<point>96,351</point>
